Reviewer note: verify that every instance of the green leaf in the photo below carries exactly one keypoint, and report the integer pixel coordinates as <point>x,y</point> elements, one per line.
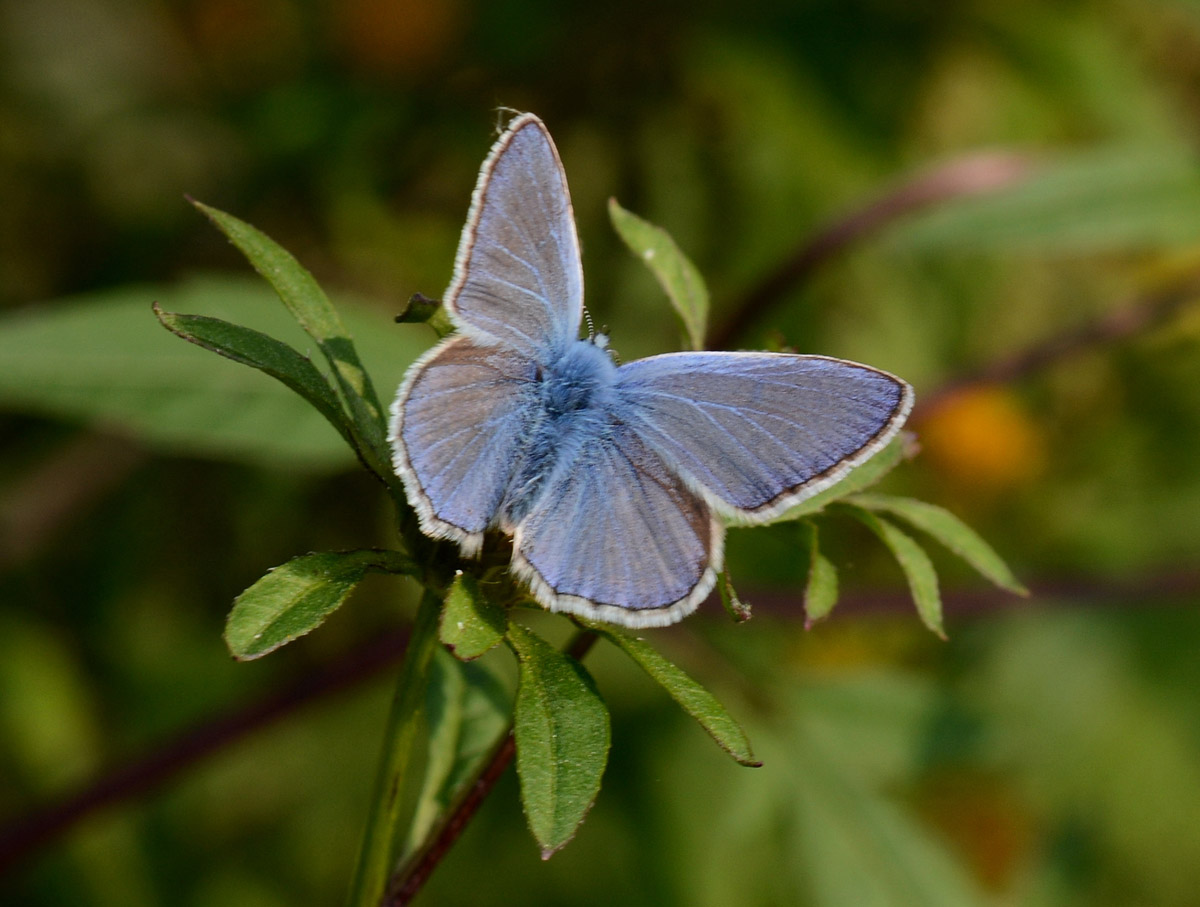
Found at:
<point>296,597</point>
<point>471,624</point>
<point>396,780</point>
<point>836,828</point>
<point>950,531</point>
<point>675,273</point>
<point>423,310</point>
<point>821,591</point>
<point>103,360</point>
<point>265,353</point>
<point>561,727</point>
<point>691,696</point>
<point>1091,201</point>
<point>310,306</point>
<point>918,569</point>
<point>734,606</point>
<point>466,711</point>
<point>862,476</point>
<point>850,744</point>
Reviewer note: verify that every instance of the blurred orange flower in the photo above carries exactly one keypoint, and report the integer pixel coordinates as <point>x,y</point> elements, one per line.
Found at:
<point>983,437</point>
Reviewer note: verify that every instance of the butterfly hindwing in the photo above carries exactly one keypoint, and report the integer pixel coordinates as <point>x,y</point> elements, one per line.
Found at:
<point>518,281</point>
<point>758,432</point>
<point>617,536</point>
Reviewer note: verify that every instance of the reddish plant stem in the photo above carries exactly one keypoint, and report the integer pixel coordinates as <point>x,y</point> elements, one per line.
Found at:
<point>409,880</point>
<point>29,833</point>
<point>974,174</point>
<point>1134,317</point>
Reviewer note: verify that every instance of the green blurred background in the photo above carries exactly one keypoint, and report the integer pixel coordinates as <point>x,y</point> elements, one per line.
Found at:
<point>1048,754</point>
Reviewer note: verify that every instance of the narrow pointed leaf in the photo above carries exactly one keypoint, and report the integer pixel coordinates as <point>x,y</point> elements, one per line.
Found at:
<point>821,590</point>
<point>862,477</point>
<point>675,272</point>
<point>950,531</point>
<point>562,733</point>
<point>256,349</point>
<point>471,625</point>
<point>310,306</point>
<point>918,569</point>
<point>296,597</point>
<point>734,606</point>
<point>691,696</point>
<point>466,710</point>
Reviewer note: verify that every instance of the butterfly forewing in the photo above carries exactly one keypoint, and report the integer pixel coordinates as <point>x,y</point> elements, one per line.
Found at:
<point>518,281</point>
<point>759,431</point>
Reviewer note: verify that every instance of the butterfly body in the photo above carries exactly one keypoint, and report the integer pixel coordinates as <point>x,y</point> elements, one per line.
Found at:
<point>570,407</point>
<point>614,481</point>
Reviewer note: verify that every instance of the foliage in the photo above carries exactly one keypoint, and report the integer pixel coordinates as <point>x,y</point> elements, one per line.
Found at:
<point>560,723</point>
<point>1047,752</point>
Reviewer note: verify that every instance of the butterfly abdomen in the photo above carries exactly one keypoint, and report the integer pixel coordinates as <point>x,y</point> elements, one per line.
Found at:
<point>574,397</point>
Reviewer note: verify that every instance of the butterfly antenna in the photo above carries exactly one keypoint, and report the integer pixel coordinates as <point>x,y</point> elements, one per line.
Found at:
<point>587,317</point>
<point>505,115</point>
<point>616,357</point>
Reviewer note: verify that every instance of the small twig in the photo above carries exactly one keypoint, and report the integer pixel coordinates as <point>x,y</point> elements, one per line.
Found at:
<point>975,174</point>
<point>1134,317</point>
<point>29,833</point>
<point>408,881</point>
<point>1153,590</point>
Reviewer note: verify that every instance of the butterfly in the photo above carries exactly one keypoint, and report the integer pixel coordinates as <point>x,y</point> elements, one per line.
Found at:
<point>613,481</point>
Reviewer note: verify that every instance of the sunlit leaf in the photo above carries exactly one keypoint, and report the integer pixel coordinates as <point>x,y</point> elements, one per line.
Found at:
<point>471,624</point>
<point>296,597</point>
<point>562,734</point>
<point>821,590</point>
<point>310,306</point>
<point>675,272</point>
<point>950,531</point>
<point>861,477</point>
<point>918,569</point>
<point>691,696</point>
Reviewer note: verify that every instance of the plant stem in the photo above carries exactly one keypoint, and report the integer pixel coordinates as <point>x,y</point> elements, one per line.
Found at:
<point>973,174</point>
<point>380,841</point>
<point>409,879</point>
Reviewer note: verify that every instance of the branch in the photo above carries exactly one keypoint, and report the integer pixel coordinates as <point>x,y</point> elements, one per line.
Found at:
<point>1149,590</point>
<point>974,174</point>
<point>1126,321</point>
<point>40,827</point>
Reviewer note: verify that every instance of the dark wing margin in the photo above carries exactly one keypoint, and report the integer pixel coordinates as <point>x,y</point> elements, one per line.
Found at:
<point>756,433</point>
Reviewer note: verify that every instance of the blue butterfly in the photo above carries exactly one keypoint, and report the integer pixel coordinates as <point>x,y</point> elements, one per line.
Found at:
<point>613,481</point>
